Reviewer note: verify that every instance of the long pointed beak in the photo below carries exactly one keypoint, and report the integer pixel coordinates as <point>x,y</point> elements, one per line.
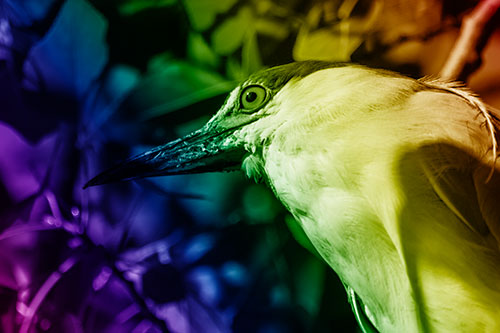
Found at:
<point>205,150</point>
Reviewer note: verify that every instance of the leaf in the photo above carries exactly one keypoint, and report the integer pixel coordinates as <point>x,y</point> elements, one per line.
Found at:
<point>234,273</point>
<point>259,204</point>
<point>234,69</point>
<point>26,12</point>
<point>200,52</point>
<point>198,246</point>
<point>5,36</point>
<point>172,85</point>
<point>325,45</point>
<point>23,166</point>
<point>106,97</point>
<point>202,13</point>
<point>250,57</point>
<point>332,43</point>
<point>231,34</point>
<point>206,282</point>
<point>70,56</point>
<point>206,319</point>
<point>409,19</point>
<point>272,28</point>
<point>309,281</point>
<point>130,7</point>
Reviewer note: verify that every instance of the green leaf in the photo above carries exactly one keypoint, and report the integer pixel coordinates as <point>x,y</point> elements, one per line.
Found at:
<point>229,36</point>
<point>200,52</point>
<point>309,284</point>
<point>250,58</point>
<point>235,70</point>
<point>171,85</point>
<point>272,28</point>
<point>338,41</point>
<point>202,13</point>
<point>131,7</point>
<point>259,204</point>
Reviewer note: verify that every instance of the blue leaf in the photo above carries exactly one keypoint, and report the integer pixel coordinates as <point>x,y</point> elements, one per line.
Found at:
<point>73,53</point>
<point>25,12</point>
<point>198,246</point>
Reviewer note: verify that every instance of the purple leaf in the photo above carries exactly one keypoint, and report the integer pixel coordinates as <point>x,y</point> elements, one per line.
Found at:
<point>23,166</point>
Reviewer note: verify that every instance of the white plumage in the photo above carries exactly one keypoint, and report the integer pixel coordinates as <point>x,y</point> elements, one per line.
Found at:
<point>390,178</point>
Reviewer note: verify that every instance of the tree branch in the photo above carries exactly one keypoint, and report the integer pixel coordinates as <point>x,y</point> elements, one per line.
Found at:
<point>465,56</point>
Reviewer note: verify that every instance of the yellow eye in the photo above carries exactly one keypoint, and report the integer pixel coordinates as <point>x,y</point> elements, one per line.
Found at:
<point>252,98</point>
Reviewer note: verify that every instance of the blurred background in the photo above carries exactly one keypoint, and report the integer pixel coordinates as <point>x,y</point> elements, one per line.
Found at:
<point>87,83</point>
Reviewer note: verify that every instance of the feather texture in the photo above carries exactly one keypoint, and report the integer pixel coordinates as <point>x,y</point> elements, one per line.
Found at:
<point>391,180</point>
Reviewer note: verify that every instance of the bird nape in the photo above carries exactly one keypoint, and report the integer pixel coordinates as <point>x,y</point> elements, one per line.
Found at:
<point>394,180</point>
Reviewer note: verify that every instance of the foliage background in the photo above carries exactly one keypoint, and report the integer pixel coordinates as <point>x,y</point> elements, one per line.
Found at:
<point>86,83</point>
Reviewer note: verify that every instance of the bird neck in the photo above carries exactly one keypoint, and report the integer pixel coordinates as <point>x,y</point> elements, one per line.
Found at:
<point>359,184</point>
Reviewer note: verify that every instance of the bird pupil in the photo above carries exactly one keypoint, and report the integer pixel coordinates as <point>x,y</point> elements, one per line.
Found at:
<point>251,96</point>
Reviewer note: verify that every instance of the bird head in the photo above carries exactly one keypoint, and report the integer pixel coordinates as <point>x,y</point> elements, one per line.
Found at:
<point>244,124</point>
<point>383,174</point>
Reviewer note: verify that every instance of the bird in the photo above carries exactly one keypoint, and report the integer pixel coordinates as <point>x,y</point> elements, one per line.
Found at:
<point>394,180</point>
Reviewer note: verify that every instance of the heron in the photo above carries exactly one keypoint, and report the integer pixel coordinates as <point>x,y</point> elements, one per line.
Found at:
<point>394,180</point>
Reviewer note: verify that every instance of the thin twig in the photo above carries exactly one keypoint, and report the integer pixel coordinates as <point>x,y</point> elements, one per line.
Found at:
<point>44,291</point>
<point>146,311</point>
<point>69,263</point>
<point>137,298</point>
<point>23,229</point>
<point>469,44</point>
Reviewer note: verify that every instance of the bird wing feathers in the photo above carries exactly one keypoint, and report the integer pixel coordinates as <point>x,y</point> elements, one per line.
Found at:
<point>455,186</point>
<point>471,189</point>
<point>488,193</point>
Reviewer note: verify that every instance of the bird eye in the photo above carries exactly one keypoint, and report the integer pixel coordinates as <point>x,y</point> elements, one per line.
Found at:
<point>252,98</point>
